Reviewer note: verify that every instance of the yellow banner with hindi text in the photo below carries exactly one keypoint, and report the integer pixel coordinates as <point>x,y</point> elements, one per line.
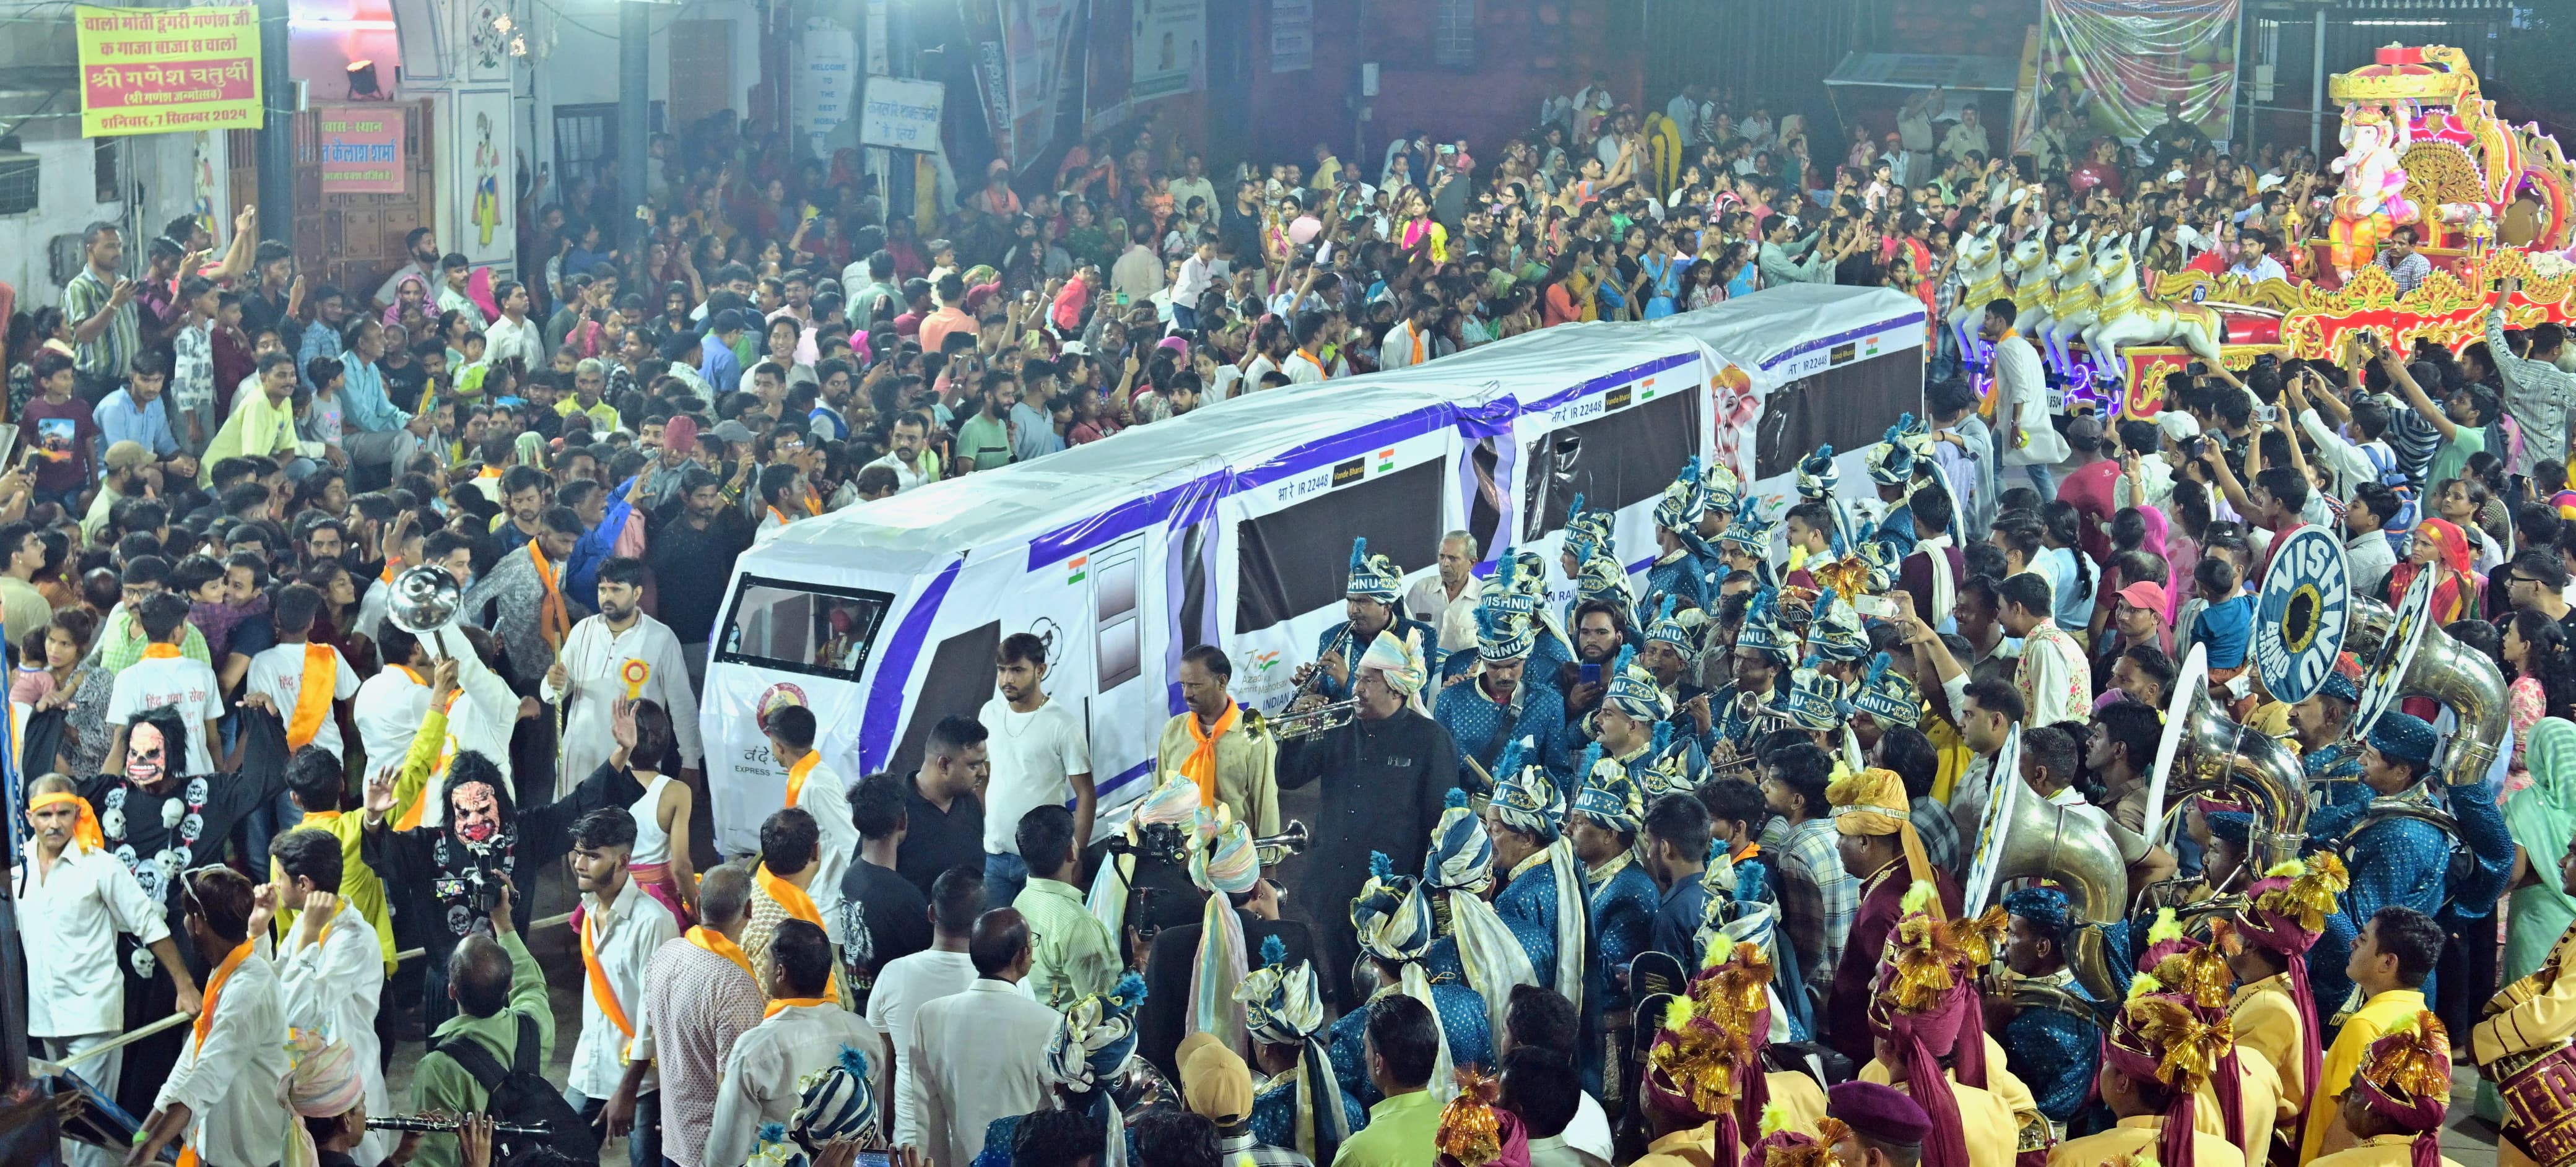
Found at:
<point>168,70</point>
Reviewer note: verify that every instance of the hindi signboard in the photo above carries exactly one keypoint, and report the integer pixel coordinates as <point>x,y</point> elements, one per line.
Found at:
<point>900,114</point>
<point>362,149</point>
<point>168,70</point>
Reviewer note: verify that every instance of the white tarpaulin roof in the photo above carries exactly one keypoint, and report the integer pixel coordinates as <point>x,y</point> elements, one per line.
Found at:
<point>921,528</point>
<point>1767,328</point>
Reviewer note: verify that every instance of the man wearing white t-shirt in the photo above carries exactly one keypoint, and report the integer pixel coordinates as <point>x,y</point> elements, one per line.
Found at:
<point>906,983</point>
<point>277,675</point>
<point>1041,756</point>
<point>165,677</point>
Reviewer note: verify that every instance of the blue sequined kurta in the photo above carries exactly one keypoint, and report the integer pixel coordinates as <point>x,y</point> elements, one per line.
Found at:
<point>1897,530</point>
<point>2336,796</point>
<point>1332,639</point>
<point>1727,723</point>
<point>1548,655</point>
<point>1473,719</point>
<point>1685,577</point>
<point>2393,861</point>
<point>1528,907</point>
<point>1462,1021</point>
<point>1274,1111</point>
<point>1623,925</point>
<point>2057,1055</point>
<point>998,1135</point>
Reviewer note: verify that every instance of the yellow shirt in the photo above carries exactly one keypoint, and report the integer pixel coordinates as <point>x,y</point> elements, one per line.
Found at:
<point>2258,1087</point>
<point>1993,1132</point>
<point>1399,1134</point>
<point>603,416</point>
<point>1799,1099</point>
<point>2538,1010</point>
<point>2002,1081</point>
<point>358,882</point>
<point>255,430</point>
<point>2141,1135</point>
<point>1668,1151</point>
<point>2378,1151</point>
<point>2376,1016</point>
<point>1952,750</point>
<point>2267,1022</point>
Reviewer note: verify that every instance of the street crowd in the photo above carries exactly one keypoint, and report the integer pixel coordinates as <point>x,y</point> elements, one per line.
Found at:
<point>1669,875</point>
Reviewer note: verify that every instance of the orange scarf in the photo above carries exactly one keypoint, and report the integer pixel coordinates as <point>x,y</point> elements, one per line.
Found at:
<point>206,1021</point>
<point>1416,334</point>
<point>600,991</point>
<point>1320,370</point>
<point>789,896</point>
<point>798,904</point>
<point>796,775</point>
<point>554,621</point>
<point>215,988</point>
<point>86,832</point>
<point>715,942</point>
<point>161,652</point>
<point>313,695</point>
<point>410,816</point>
<point>774,1007</point>
<point>1200,766</point>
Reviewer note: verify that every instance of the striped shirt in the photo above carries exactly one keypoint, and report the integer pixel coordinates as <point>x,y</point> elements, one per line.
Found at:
<point>107,355</point>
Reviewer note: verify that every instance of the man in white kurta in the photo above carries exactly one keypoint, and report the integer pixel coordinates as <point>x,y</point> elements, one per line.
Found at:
<point>621,652</point>
<point>330,970</point>
<point>480,717</point>
<point>227,1072</point>
<point>981,1054</point>
<point>803,1033</point>
<point>74,898</point>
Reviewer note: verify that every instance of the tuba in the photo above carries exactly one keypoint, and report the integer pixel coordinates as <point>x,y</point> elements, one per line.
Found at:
<point>2206,752</point>
<point>2028,837</point>
<point>2415,658</point>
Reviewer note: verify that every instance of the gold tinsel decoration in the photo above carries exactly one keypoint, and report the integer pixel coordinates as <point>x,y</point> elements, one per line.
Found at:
<point>1847,576</point>
<point>2191,1047</point>
<point>2199,973</point>
<point>1470,1132</point>
<point>2416,1065</point>
<point>2311,897</point>
<point>1704,1057</point>
<point>1733,993</point>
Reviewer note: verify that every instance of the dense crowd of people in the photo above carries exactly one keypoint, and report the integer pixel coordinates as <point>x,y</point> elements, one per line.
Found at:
<point>1669,875</point>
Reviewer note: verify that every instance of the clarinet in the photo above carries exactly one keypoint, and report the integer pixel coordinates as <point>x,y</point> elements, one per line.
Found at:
<point>424,1125</point>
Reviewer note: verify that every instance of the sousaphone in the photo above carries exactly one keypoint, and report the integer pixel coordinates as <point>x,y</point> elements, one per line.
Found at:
<point>2203,751</point>
<point>2024,836</point>
<point>2410,656</point>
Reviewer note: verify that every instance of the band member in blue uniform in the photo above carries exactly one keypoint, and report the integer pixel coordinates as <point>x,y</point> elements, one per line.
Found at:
<point>1496,703</point>
<point>1372,604</point>
<point>1393,918</point>
<point>1297,1103</point>
<point>1602,826</point>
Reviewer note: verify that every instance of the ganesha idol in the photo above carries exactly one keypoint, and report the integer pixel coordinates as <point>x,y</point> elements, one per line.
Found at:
<point>2423,146</point>
<point>2373,201</point>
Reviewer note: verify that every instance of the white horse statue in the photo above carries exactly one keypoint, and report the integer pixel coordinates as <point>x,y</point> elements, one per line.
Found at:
<point>2077,301</point>
<point>1981,272</point>
<point>2034,283</point>
<point>2126,317</point>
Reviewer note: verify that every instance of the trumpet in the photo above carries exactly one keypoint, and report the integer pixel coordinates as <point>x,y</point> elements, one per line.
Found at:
<point>1306,723</point>
<point>1271,849</point>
